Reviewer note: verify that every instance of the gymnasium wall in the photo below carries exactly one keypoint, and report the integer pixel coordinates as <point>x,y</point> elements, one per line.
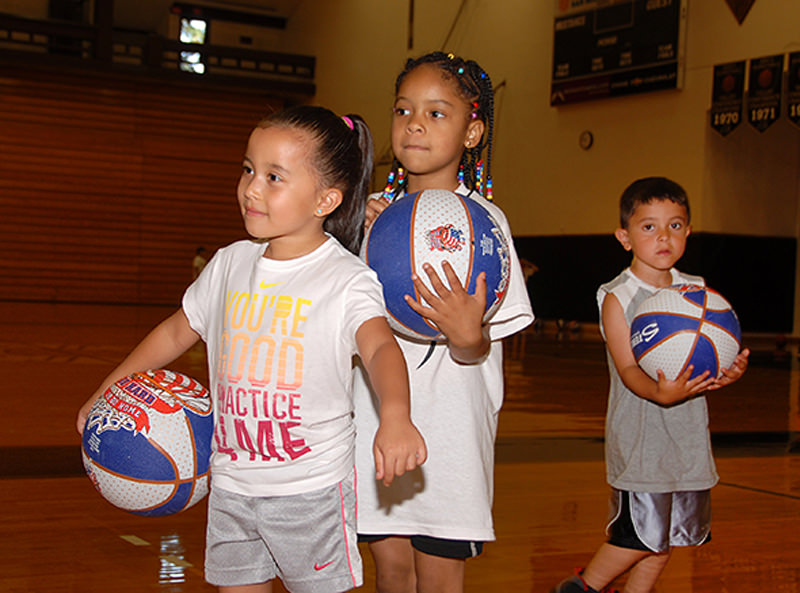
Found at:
<point>109,183</point>
<point>745,185</point>
<point>116,154</point>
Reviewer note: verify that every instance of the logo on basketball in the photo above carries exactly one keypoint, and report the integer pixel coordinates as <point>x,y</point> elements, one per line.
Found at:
<point>147,443</point>
<point>434,226</point>
<point>446,238</point>
<point>646,334</point>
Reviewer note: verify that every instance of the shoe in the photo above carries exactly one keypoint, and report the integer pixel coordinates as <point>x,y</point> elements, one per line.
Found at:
<point>576,584</point>
<point>572,585</point>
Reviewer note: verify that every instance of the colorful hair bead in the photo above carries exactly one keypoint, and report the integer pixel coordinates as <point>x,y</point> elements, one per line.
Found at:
<point>349,122</point>
<point>388,191</point>
<point>461,173</point>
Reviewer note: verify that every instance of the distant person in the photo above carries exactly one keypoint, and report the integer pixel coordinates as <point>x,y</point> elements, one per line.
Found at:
<point>199,262</point>
<point>658,448</point>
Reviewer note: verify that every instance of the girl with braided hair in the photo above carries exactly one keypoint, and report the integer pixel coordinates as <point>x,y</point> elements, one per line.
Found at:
<point>423,527</point>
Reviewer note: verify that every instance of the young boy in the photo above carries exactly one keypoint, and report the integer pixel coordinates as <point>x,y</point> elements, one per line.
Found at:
<point>658,451</point>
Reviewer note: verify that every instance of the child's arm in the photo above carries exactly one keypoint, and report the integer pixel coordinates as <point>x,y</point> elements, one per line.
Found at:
<point>458,314</point>
<point>166,342</point>
<point>398,446</point>
<point>663,391</point>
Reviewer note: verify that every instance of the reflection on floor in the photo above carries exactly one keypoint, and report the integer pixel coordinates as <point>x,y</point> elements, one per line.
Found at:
<point>550,491</point>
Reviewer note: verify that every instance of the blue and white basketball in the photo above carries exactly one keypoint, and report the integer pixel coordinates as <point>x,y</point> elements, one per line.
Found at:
<point>435,226</point>
<point>685,324</point>
<point>147,443</point>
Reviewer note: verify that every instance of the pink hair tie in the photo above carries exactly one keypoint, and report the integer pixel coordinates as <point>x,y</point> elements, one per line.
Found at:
<point>349,122</point>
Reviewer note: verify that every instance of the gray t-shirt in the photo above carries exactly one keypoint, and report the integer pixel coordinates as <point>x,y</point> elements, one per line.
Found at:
<point>649,447</point>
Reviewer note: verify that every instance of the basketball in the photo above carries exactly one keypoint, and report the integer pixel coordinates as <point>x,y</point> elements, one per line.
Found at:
<point>685,324</point>
<point>147,443</point>
<point>434,226</point>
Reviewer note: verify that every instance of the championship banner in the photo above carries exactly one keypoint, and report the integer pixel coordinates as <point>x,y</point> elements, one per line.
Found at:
<point>793,92</point>
<point>727,97</point>
<point>764,92</point>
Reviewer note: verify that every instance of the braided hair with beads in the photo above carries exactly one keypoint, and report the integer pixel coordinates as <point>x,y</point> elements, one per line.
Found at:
<point>474,84</point>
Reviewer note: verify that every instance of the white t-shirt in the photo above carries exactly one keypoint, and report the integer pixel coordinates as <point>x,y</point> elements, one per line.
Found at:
<point>455,407</point>
<point>281,339</point>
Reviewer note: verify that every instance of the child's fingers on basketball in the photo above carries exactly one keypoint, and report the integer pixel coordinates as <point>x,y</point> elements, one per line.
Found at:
<point>419,308</point>
<point>480,287</point>
<point>422,291</point>
<point>373,208</point>
<point>686,376</point>
<point>452,278</point>
<point>701,382</point>
<point>741,360</point>
<point>436,280</point>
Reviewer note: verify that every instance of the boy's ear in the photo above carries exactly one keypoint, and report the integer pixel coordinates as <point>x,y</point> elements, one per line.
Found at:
<point>474,133</point>
<point>328,201</point>
<point>622,236</point>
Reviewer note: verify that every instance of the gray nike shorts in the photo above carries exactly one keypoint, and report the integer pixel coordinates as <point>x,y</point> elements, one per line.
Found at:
<point>656,521</point>
<point>306,540</point>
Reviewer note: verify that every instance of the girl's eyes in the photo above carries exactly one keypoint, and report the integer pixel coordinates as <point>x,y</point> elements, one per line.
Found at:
<point>676,226</point>
<point>273,177</point>
<point>401,111</point>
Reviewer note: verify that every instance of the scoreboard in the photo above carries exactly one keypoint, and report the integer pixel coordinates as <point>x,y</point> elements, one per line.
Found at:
<point>608,48</point>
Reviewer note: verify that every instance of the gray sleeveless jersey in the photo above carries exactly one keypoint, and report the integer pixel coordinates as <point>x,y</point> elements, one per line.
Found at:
<point>649,447</point>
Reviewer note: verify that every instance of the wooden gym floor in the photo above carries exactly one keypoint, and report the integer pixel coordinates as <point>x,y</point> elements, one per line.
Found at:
<point>57,534</point>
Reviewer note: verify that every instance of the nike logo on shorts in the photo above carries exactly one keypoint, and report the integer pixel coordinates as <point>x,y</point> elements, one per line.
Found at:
<point>321,566</point>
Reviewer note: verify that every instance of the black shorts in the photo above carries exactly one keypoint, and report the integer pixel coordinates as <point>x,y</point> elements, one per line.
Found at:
<point>434,546</point>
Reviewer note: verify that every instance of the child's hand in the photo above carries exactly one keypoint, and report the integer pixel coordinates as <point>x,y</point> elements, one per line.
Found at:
<point>83,413</point>
<point>374,207</point>
<point>671,392</point>
<point>734,373</point>
<point>457,314</point>
<point>398,448</point>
